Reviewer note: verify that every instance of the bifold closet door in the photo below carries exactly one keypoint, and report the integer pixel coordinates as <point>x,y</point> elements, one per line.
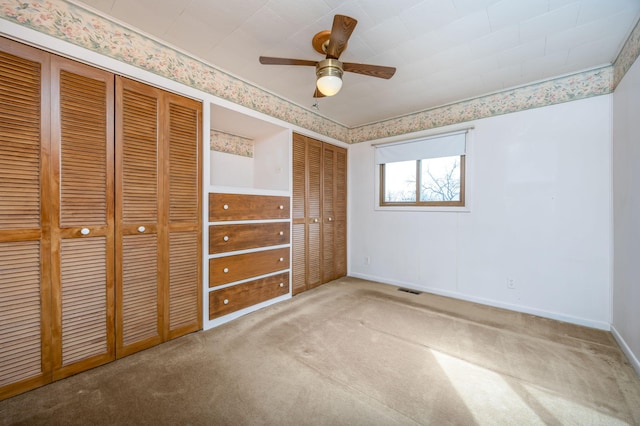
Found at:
<point>307,213</point>
<point>25,291</point>
<point>334,210</point>
<point>182,189</point>
<point>139,280</point>
<point>158,210</point>
<point>82,232</point>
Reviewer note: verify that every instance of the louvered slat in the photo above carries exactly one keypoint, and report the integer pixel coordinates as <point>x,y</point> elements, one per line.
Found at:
<point>19,142</point>
<point>83,276</point>
<point>140,158</point>
<point>139,302</point>
<point>20,338</point>
<point>340,242</point>
<point>183,164</point>
<point>183,279</point>
<point>314,178</point>
<point>298,193</point>
<point>83,175</point>
<point>328,171</point>
<point>298,250</point>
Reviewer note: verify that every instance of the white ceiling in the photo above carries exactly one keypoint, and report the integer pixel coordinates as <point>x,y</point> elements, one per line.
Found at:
<point>444,50</point>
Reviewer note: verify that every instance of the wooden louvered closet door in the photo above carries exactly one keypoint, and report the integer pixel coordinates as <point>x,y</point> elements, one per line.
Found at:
<point>182,187</point>
<point>82,232</point>
<point>319,213</point>
<point>25,291</point>
<point>340,212</point>
<point>298,219</point>
<point>158,211</point>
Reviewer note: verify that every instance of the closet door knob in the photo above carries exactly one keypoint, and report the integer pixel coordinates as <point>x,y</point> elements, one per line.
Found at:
<point>226,301</point>
<point>141,228</point>
<point>315,220</point>
<point>85,231</point>
<point>226,207</point>
<point>330,219</point>
<point>225,270</point>
<point>226,238</point>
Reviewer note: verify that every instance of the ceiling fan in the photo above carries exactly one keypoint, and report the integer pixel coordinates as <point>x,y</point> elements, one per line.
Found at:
<point>329,71</point>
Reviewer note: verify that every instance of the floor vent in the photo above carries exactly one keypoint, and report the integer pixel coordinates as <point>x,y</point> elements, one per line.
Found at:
<point>408,290</point>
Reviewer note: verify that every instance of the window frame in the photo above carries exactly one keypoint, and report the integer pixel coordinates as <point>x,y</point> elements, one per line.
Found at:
<point>466,171</point>
<point>461,203</point>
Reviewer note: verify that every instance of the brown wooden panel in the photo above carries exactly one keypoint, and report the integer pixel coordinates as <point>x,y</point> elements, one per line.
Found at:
<point>299,167</point>
<point>85,144</point>
<point>314,179</point>
<point>243,266</point>
<point>184,282</point>
<point>314,254</point>
<point>328,215</point>
<point>138,303</point>
<point>298,253</point>
<point>138,156</point>
<point>20,328</point>
<point>340,242</point>
<point>247,207</point>
<point>20,109</point>
<point>234,298</point>
<point>83,280</point>
<point>184,130</point>
<point>226,238</point>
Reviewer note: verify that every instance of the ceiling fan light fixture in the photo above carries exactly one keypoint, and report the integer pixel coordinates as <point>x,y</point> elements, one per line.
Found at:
<point>329,76</point>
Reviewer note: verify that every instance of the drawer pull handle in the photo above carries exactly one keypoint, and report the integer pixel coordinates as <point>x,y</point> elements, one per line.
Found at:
<point>281,207</point>
<point>226,238</point>
<point>281,284</point>
<point>225,270</point>
<point>282,259</point>
<point>226,301</point>
<point>281,233</point>
<point>141,228</point>
<point>226,207</point>
<point>85,231</point>
<point>330,219</point>
<point>315,220</point>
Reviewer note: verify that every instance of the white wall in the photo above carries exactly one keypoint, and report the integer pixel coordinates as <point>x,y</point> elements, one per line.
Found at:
<point>626,214</point>
<point>539,214</point>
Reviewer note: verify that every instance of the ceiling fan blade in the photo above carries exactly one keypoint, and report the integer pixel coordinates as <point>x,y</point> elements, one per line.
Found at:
<point>318,94</point>
<point>342,28</point>
<point>370,70</point>
<point>267,60</point>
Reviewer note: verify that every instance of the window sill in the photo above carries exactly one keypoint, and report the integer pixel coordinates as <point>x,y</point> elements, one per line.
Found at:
<point>453,209</point>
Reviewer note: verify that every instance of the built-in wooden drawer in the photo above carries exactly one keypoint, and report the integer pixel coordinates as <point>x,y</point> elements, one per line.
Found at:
<point>227,269</point>
<point>247,207</point>
<point>225,238</point>
<point>234,298</point>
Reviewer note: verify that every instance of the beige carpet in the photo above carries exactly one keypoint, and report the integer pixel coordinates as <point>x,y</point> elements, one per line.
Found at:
<point>356,353</point>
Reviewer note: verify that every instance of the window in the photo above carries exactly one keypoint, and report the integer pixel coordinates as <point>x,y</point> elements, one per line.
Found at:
<point>425,172</point>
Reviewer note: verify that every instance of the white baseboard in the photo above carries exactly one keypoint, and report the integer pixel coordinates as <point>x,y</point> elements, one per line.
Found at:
<point>633,359</point>
<point>601,325</point>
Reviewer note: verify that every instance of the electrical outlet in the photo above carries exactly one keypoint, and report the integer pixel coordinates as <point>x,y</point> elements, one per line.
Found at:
<point>511,283</point>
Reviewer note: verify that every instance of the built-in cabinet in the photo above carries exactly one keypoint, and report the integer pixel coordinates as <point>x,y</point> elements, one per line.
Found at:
<point>100,217</point>
<point>249,207</point>
<point>249,261</point>
<point>319,214</point>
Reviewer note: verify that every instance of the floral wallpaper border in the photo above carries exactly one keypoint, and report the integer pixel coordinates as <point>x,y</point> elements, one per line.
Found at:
<point>231,144</point>
<point>629,53</point>
<point>67,21</point>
